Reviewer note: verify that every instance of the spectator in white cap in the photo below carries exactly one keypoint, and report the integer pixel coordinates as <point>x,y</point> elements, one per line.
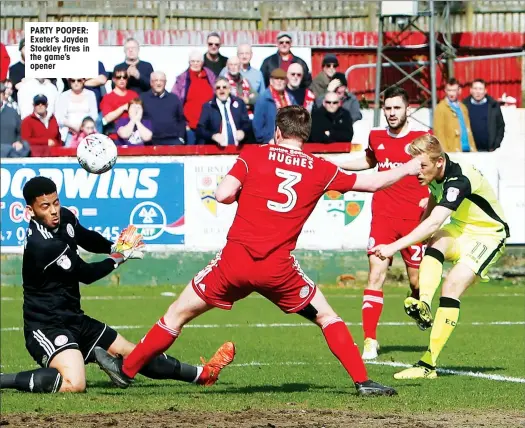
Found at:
<point>213,58</point>
<point>319,85</point>
<point>283,58</point>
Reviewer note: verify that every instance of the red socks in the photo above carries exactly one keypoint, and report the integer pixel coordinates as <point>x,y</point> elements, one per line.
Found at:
<point>156,341</point>
<point>372,308</point>
<point>342,345</point>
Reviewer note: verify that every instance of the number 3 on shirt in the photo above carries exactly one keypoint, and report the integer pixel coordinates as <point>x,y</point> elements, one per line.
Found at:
<point>286,188</point>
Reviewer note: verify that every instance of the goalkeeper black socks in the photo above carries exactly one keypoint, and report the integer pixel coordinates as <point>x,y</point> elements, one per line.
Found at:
<point>165,367</point>
<point>39,380</point>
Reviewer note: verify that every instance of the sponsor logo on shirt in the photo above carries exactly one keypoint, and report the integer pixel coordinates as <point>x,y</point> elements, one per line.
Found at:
<point>388,164</point>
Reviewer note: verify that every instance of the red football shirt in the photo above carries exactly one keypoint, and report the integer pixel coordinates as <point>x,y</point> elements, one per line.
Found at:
<point>400,200</point>
<point>112,101</point>
<point>280,188</point>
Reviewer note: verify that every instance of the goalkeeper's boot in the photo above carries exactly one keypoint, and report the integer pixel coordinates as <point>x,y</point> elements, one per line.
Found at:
<point>210,372</point>
<point>419,311</point>
<point>113,367</point>
<point>370,349</point>
<point>369,387</point>
<point>420,370</point>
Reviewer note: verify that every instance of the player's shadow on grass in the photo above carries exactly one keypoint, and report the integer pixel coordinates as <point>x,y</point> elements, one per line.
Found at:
<point>401,348</point>
<point>109,389</point>
<point>284,387</point>
<point>468,369</point>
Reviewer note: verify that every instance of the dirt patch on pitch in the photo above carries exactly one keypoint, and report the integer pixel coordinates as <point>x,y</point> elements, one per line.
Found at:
<point>265,419</point>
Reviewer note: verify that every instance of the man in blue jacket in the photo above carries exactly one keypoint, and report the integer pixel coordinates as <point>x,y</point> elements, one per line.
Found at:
<point>164,110</point>
<point>224,119</point>
<point>271,100</point>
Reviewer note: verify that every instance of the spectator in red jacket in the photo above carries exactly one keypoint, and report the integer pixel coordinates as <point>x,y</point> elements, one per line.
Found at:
<point>4,62</point>
<point>40,129</point>
<point>194,87</point>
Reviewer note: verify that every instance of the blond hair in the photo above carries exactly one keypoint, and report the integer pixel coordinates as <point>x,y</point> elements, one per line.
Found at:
<point>428,144</point>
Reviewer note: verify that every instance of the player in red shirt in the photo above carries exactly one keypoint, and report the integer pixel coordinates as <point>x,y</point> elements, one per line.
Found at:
<point>396,211</point>
<point>277,187</point>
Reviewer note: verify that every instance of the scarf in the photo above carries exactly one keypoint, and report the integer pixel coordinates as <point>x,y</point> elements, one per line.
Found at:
<point>278,99</point>
<point>309,99</point>
<point>245,87</point>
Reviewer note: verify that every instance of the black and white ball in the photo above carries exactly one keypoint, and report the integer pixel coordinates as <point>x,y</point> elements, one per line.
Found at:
<point>97,153</point>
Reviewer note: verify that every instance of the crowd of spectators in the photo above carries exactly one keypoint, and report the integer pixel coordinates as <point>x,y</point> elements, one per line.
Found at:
<point>216,100</point>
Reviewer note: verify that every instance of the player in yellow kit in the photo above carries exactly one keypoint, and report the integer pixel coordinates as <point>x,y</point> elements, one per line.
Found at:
<point>473,240</point>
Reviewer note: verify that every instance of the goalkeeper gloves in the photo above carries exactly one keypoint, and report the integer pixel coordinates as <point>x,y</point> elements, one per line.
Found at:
<point>128,246</point>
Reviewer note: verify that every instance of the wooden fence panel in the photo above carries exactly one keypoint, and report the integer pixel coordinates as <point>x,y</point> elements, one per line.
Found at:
<point>313,15</point>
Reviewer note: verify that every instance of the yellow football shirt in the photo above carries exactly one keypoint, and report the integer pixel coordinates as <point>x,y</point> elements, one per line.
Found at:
<point>469,195</point>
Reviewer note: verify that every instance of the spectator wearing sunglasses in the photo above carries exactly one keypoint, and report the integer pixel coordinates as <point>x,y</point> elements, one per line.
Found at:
<point>349,101</point>
<point>72,107</point>
<point>319,85</point>
<point>224,119</point>
<point>115,104</point>
<point>303,96</point>
<point>213,58</point>
<point>40,129</point>
<point>29,88</point>
<point>331,123</point>
<point>138,71</point>
<point>283,58</point>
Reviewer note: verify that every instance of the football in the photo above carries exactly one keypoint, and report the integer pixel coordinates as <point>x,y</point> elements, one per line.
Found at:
<point>97,153</point>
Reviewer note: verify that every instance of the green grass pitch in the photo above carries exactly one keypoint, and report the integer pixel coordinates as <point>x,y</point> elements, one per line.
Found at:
<point>282,363</point>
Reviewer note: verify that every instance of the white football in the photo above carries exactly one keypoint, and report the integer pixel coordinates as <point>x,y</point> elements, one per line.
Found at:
<point>97,153</point>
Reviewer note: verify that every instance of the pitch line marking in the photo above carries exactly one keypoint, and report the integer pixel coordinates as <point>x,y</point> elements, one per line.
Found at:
<point>279,325</point>
<point>253,296</point>
<point>493,377</point>
<point>498,378</point>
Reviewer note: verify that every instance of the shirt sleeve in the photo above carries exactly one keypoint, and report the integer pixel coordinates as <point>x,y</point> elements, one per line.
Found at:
<point>455,190</point>
<point>101,69</point>
<point>240,168</point>
<point>369,151</point>
<point>340,180</point>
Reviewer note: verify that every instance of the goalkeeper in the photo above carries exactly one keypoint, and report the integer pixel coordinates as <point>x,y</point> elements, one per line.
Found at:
<point>58,335</point>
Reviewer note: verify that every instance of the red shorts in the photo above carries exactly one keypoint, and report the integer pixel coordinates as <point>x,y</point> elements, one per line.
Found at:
<point>233,274</point>
<point>385,230</point>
